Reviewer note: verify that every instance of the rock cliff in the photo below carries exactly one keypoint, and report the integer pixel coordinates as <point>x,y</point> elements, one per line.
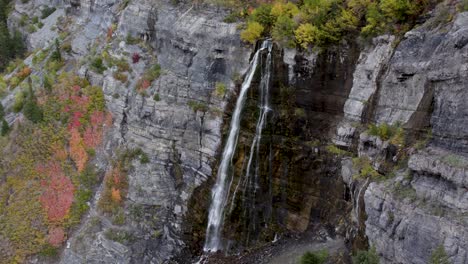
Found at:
<point>322,104</point>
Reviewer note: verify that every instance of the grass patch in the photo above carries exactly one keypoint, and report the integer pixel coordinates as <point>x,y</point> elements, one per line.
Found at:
<point>365,169</point>
<point>198,106</point>
<point>332,149</point>
<point>317,257</point>
<point>394,133</point>
<point>220,89</point>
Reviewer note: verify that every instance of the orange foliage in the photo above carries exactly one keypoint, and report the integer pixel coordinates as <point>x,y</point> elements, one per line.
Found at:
<point>115,189</point>
<point>25,72</point>
<point>115,195</point>
<point>77,150</point>
<point>58,195</point>
<point>59,153</point>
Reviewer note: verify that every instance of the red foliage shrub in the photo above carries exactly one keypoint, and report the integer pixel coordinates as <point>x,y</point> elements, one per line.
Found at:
<point>75,120</point>
<point>57,197</point>
<point>77,150</point>
<point>110,32</point>
<point>56,236</point>
<point>136,58</point>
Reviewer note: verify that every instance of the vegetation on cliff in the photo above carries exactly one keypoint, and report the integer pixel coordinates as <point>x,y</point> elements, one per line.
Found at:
<point>46,177</point>
<point>323,22</point>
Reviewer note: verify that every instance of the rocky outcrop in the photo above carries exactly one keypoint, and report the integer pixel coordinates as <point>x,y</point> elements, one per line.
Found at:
<point>372,61</point>
<point>409,216</point>
<point>176,121</point>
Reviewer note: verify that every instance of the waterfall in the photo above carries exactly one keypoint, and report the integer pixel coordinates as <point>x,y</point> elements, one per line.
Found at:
<point>255,146</point>
<point>220,191</point>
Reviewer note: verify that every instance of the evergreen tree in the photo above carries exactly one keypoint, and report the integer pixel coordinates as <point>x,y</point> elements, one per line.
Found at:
<point>2,112</point>
<point>5,128</point>
<point>11,46</point>
<point>30,109</point>
<point>56,55</point>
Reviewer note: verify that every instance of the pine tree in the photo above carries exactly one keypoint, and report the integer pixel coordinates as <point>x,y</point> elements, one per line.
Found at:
<point>2,112</point>
<point>56,55</point>
<point>5,128</point>
<point>30,109</point>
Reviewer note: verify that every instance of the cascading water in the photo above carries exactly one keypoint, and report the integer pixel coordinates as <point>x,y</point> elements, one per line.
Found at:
<point>220,191</point>
<point>255,146</point>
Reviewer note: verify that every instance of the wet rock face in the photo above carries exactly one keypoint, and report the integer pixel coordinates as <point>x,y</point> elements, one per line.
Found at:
<point>297,183</point>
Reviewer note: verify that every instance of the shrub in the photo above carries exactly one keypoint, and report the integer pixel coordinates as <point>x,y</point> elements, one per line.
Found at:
<point>365,168</point>
<point>132,40</point>
<point>220,89</point>
<point>48,251</point>
<point>318,257</point>
<point>439,256</point>
<point>47,11</point>
<point>56,55</point>
<point>32,111</point>
<point>336,151</point>
<point>283,31</point>
<point>136,57</point>
<point>156,98</point>
<point>366,257</point>
<point>306,34</point>
<point>394,133</point>
<point>464,5</point>
<point>25,72</point>
<point>120,236</point>
<point>67,47</point>
<point>148,77</point>
<point>144,159</point>
<point>31,28</point>
<point>198,106</point>
<point>122,77</point>
<point>98,66</point>
<point>263,16</point>
<point>252,33</point>
<point>122,65</point>
<point>19,102</point>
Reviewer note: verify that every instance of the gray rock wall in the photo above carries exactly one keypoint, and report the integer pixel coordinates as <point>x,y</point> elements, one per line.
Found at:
<point>424,85</point>
<point>195,50</point>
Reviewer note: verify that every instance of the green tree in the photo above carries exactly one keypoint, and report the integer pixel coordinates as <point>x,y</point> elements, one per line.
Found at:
<point>306,34</point>
<point>11,46</point>
<point>2,111</point>
<point>263,15</point>
<point>5,128</point>
<point>56,55</point>
<point>439,256</point>
<point>30,109</point>
<point>283,31</point>
<point>252,33</point>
